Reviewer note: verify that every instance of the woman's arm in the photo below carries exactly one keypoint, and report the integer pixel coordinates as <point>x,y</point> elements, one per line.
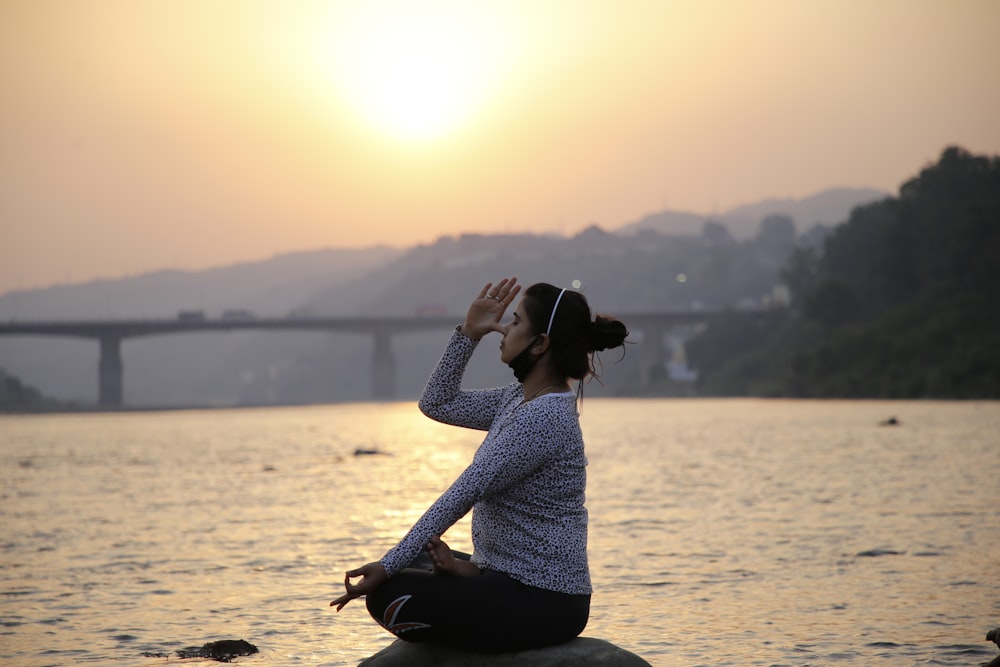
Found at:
<point>443,399</point>
<point>504,458</point>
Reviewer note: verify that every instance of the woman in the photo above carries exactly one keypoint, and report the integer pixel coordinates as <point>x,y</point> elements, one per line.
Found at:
<point>527,584</point>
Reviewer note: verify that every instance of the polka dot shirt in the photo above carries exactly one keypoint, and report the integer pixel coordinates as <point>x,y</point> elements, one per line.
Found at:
<point>525,485</point>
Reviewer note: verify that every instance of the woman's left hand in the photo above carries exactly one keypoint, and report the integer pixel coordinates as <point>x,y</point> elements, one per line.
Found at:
<point>446,563</point>
<point>372,576</point>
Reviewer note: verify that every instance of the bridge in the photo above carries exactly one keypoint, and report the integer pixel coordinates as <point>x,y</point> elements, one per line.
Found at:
<point>110,333</point>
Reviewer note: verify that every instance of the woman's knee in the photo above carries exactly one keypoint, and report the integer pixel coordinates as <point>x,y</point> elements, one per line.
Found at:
<point>398,605</point>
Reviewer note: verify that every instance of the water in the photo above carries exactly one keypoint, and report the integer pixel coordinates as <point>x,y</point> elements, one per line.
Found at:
<point>723,532</point>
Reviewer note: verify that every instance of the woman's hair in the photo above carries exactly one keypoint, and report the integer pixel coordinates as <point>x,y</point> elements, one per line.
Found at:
<point>574,336</point>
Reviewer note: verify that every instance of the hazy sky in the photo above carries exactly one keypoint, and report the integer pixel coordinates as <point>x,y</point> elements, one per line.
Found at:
<point>139,135</point>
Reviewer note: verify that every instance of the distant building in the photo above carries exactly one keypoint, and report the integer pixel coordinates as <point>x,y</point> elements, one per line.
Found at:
<point>678,371</point>
<point>677,368</point>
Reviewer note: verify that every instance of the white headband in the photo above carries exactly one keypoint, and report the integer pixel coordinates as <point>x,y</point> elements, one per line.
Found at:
<point>553,316</point>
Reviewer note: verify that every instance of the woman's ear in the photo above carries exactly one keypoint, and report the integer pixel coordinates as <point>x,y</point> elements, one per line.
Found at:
<point>541,344</point>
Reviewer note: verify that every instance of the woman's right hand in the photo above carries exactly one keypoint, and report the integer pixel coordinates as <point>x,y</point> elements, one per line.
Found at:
<point>372,576</point>
<point>488,307</point>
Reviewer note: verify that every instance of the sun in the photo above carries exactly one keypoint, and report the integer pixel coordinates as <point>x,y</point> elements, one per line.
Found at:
<point>417,71</point>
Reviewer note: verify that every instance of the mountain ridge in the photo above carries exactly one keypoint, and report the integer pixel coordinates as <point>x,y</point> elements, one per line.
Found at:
<point>827,207</point>
<point>619,271</point>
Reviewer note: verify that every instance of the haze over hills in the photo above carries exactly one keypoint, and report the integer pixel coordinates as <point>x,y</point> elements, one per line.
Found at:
<point>638,267</point>
<point>828,208</point>
<point>278,284</point>
<point>271,286</point>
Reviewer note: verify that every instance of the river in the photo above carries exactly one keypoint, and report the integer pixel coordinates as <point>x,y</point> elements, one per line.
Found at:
<point>723,532</point>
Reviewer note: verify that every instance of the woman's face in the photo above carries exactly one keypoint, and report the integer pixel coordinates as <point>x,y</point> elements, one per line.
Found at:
<point>517,334</point>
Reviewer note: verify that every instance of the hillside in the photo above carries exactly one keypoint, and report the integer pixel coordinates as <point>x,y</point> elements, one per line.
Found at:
<point>628,270</point>
<point>270,286</point>
<point>826,208</point>
<point>900,303</point>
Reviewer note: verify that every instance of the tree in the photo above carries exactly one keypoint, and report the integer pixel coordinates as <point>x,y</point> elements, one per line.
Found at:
<point>901,302</point>
<point>800,272</point>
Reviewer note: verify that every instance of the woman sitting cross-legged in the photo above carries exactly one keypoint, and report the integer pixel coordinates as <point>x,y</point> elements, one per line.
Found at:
<point>527,584</point>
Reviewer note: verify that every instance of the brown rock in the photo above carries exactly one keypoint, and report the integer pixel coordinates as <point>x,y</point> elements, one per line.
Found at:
<point>575,653</point>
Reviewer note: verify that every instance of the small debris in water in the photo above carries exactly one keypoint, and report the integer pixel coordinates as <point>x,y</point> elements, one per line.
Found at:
<point>360,451</point>
<point>872,553</point>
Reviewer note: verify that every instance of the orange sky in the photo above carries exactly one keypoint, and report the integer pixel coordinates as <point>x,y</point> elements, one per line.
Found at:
<point>189,133</point>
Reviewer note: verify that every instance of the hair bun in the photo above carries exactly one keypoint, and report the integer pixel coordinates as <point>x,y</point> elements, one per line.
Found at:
<point>606,332</point>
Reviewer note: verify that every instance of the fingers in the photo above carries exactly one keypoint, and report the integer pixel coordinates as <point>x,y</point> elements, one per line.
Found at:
<point>509,294</point>
<point>441,555</point>
<point>372,576</point>
<point>503,293</point>
<point>352,592</point>
<point>433,544</point>
<point>437,546</point>
<point>363,571</point>
<point>488,307</point>
<point>358,588</point>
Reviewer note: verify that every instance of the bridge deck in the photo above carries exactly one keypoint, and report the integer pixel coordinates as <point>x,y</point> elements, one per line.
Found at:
<point>363,325</point>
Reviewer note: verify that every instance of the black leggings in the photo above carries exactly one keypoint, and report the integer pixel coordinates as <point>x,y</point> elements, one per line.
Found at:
<point>489,613</point>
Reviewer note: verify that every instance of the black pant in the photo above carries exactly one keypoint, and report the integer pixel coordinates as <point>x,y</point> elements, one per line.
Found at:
<point>489,613</point>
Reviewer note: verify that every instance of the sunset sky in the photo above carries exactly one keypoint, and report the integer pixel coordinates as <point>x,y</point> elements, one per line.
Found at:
<point>140,135</point>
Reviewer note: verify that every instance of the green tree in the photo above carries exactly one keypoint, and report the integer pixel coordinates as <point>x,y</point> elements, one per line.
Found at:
<point>901,302</point>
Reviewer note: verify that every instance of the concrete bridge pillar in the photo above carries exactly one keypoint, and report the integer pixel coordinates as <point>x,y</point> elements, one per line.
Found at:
<point>383,366</point>
<point>654,357</point>
<point>110,371</point>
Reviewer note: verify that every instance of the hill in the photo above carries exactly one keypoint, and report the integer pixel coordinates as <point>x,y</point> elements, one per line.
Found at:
<point>628,270</point>
<point>900,303</point>
<point>826,208</point>
<point>270,286</point>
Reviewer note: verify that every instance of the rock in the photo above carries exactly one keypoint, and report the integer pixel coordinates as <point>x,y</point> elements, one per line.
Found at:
<point>222,651</point>
<point>580,651</point>
<point>993,636</point>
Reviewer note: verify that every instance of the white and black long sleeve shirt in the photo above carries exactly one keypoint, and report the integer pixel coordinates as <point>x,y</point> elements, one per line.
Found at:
<point>525,485</point>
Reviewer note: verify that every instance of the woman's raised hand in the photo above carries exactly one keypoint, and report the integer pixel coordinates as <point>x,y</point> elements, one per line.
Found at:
<point>488,307</point>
